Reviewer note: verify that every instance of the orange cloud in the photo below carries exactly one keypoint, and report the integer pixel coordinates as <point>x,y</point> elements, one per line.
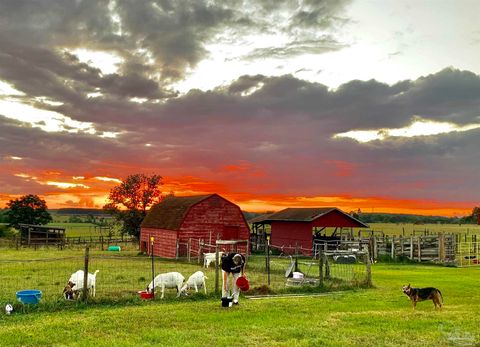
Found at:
<point>72,194</point>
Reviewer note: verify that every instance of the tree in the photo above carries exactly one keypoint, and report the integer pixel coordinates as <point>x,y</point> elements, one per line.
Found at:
<point>476,215</point>
<point>28,209</point>
<point>129,201</point>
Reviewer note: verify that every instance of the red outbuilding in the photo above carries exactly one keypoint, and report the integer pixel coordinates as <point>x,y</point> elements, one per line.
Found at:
<point>297,227</point>
<point>178,221</point>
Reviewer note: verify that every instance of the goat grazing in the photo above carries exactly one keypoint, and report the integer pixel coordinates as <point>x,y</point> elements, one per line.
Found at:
<point>210,258</point>
<point>195,281</point>
<point>167,280</point>
<point>75,284</point>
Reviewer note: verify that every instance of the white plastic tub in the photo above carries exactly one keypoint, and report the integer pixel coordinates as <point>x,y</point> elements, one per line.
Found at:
<point>297,275</point>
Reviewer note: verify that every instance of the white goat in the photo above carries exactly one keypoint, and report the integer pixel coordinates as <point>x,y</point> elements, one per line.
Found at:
<point>75,284</point>
<point>167,280</point>
<point>210,258</point>
<point>195,281</point>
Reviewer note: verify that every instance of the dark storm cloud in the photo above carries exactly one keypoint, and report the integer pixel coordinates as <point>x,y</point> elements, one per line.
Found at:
<point>174,33</point>
<point>280,132</point>
<point>357,105</point>
<point>37,71</point>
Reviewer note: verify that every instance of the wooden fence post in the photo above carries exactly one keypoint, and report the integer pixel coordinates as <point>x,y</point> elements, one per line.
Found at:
<point>401,245</point>
<point>267,260</point>
<point>419,249</point>
<point>189,248</point>
<point>369,270</point>
<point>177,246</point>
<point>441,247</point>
<point>320,268</point>
<point>217,260</point>
<point>392,251</point>
<point>199,250</point>
<point>85,274</point>
<point>411,247</point>
<point>327,267</point>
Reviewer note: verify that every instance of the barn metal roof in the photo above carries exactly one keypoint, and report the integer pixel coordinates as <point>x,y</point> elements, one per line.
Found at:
<point>260,218</point>
<point>169,213</point>
<point>302,215</point>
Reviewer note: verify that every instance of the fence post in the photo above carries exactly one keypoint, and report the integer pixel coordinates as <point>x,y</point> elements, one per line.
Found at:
<point>85,274</point>
<point>189,248</point>
<point>369,270</point>
<point>177,246</point>
<point>217,260</point>
<point>327,267</point>
<point>199,250</point>
<point>320,268</point>
<point>392,254</point>
<point>419,249</point>
<point>411,247</point>
<point>401,245</point>
<point>267,259</point>
<point>441,247</point>
<point>152,240</point>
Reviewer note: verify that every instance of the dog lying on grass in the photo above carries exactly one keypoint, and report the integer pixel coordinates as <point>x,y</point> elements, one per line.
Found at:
<point>421,294</point>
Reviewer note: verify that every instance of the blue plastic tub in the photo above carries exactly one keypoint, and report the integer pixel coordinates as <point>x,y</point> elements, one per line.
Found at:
<point>114,248</point>
<point>30,296</point>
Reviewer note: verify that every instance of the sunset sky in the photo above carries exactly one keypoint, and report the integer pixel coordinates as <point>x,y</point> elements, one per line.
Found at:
<point>370,104</point>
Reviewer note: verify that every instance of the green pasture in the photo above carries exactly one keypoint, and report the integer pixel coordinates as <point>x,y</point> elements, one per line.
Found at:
<point>83,229</point>
<point>409,229</point>
<point>379,316</point>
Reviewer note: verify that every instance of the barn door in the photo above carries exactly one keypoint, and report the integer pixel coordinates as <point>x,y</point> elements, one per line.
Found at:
<point>230,232</point>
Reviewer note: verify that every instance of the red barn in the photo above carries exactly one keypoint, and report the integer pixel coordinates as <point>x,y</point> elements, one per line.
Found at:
<point>293,227</point>
<point>175,220</point>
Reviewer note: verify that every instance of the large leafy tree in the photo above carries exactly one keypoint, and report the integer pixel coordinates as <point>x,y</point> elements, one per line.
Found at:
<point>129,201</point>
<point>28,209</point>
<point>476,214</point>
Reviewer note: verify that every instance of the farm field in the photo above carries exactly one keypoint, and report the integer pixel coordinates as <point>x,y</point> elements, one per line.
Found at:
<point>81,229</point>
<point>380,316</point>
<point>409,229</point>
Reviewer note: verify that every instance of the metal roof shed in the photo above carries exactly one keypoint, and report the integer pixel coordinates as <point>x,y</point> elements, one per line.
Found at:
<point>294,227</point>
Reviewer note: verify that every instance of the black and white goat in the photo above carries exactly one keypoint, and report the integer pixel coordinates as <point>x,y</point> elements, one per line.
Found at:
<point>75,284</point>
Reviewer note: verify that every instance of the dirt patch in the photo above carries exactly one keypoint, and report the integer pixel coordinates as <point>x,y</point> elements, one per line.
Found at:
<point>262,290</point>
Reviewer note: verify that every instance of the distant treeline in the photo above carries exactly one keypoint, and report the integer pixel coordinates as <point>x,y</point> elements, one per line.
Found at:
<point>364,217</point>
<point>412,218</point>
<point>78,211</point>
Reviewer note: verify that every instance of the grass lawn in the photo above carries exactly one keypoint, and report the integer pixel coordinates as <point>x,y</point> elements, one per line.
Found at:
<point>381,316</point>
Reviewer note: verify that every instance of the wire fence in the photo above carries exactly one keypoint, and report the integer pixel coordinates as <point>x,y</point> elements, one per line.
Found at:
<point>287,266</point>
<point>121,275</point>
<point>468,253</point>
